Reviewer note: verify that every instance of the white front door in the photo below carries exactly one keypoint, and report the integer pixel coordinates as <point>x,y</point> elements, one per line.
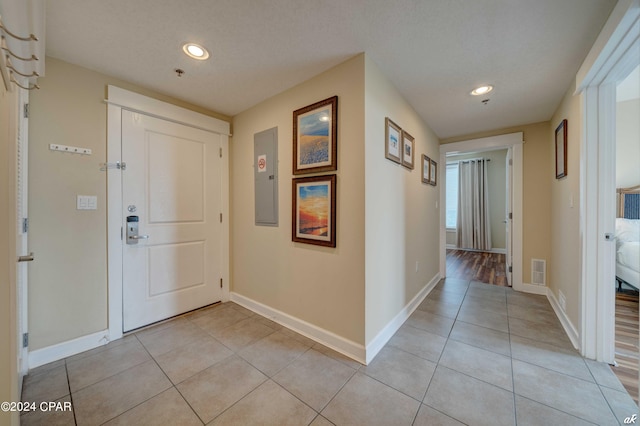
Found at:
<point>22,247</point>
<point>172,185</point>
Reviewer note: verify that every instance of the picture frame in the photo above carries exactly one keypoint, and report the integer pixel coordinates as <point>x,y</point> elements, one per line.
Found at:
<point>315,137</point>
<point>408,146</point>
<point>392,144</point>
<point>426,169</point>
<point>561,150</point>
<point>314,210</point>
<point>433,172</point>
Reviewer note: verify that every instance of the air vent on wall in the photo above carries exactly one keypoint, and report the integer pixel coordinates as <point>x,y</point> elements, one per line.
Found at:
<point>538,271</point>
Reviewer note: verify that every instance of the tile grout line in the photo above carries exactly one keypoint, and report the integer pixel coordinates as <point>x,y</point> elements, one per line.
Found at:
<point>73,407</point>
<point>445,345</point>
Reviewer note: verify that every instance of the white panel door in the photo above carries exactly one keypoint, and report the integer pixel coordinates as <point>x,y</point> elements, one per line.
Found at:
<point>22,242</point>
<point>172,184</point>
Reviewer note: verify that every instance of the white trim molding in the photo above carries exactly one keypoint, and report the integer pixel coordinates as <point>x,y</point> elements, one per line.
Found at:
<point>118,100</point>
<point>567,325</point>
<point>353,350</point>
<point>346,347</point>
<point>534,289</point>
<point>381,339</point>
<point>62,350</point>
<point>614,54</point>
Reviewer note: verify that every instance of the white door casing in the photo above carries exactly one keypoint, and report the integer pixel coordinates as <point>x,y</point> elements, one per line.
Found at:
<point>508,220</point>
<point>172,185</point>
<point>613,56</point>
<point>120,100</point>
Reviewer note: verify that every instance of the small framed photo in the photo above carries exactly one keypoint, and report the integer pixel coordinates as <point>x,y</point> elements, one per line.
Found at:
<point>314,210</point>
<point>426,169</point>
<point>561,150</point>
<point>392,144</point>
<point>315,137</point>
<point>407,150</point>
<point>433,172</point>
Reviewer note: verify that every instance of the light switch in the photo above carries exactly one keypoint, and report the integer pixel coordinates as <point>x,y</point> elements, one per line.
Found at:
<point>87,202</point>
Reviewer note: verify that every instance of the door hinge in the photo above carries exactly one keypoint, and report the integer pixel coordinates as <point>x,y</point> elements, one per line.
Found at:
<point>121,233</point>
<point>510,162</point>
<point>220,152</point>
<point>220,282</point>
<point>26,111</point>
<point>25,225</point>
<point>25,340</point>
<point>220,217</point>
<point>510,268</point>
<point>510,215</point>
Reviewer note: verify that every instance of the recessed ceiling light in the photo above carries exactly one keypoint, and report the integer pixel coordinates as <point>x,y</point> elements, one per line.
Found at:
<point>195,51</point>
<point>482,90</point>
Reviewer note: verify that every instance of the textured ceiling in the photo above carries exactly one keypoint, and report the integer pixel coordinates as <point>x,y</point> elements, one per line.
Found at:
<point>434,51</point>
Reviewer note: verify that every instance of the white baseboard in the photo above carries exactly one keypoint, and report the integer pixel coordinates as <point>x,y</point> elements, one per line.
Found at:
<point>531,288</point>
<point>390,329</point>
<point>493,250</point>
<point>346,347</point>
<point>65,349</point>
<point>569,328</point>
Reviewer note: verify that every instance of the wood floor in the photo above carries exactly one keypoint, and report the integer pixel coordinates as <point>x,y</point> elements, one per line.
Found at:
<point>479,266</point>
<point>490,268</point>
<point>627,340</point>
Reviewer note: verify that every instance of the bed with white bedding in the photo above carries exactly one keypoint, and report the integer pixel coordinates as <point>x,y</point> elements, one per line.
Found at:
<point>628,251</point>
<point>628,236</point>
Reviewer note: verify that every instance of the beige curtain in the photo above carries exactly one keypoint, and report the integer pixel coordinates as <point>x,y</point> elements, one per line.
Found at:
<point>474,228</point>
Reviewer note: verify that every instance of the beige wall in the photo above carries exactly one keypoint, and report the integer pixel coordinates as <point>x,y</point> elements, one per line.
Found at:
<point>536,204</point>
<point>402,219</point>
<point>627,143</point>
<point>564,270</point>
<point>68,280</point>
<point>323,286</point>
<point>497,181</point>
<point>8,349</point>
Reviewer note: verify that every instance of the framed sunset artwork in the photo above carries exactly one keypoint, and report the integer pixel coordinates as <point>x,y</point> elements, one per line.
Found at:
<point>314,210</point>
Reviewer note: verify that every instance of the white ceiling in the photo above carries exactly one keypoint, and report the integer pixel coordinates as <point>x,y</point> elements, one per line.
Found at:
<point>434,51</point>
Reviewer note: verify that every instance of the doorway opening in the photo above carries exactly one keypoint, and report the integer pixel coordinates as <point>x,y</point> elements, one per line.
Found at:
<point>507,219</point>
<point>627,270</point>
<point>477,232</point>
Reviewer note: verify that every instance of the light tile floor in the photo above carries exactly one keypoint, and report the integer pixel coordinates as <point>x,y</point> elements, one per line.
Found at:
<point>471,354</point>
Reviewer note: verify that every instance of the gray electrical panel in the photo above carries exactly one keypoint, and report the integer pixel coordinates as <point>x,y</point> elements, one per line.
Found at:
<point>265,170</point>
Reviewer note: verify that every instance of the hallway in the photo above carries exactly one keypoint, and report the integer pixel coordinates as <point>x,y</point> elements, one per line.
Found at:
<point>470,354</point>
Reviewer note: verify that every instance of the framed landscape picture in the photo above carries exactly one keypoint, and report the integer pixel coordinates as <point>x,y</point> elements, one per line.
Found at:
<point>314,210</point>
<point>392,145</point>
<point>561,150</point>
<point>315,137</point>
<point>407,150</point>
<point>426,169</point>
<point>433,172</point>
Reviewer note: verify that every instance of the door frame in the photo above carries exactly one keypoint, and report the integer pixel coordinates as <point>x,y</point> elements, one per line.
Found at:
<point>513,141</point>
<point>22,203</point>
<point>117,100</point>
<point>509,220</point>
<point>614,54</point>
